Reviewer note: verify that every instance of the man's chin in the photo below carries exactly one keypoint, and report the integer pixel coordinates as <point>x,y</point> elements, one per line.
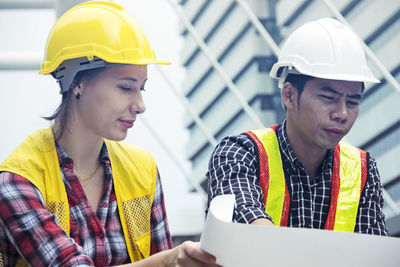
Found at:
<point>333,144</point>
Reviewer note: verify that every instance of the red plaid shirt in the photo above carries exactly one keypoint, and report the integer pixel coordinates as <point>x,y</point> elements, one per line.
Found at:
<point>96,238</point>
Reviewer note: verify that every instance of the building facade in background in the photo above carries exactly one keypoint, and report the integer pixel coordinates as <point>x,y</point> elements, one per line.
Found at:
<point>246,58</point>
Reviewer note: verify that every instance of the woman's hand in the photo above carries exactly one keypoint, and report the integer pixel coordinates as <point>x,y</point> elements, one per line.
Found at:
<point>189,254</point>
<point>186,254</point>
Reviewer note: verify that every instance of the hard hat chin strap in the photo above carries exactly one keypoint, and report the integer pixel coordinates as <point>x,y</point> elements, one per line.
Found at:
<point>66,72</point>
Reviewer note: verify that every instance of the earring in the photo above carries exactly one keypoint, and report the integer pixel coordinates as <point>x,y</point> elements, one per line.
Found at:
<point>77,96</point>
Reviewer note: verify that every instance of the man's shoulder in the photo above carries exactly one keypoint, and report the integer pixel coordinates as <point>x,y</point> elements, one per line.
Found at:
<point>351,149</point>
<point>245,140</point>
<point>241,139</point>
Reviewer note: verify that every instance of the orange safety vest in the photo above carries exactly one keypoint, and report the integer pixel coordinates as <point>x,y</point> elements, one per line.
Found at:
<point>349,175</point>
<point>134,178</point>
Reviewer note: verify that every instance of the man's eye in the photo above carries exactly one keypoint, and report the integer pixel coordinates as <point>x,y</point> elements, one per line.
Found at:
<point>326,97</point>
<point>351,103</point>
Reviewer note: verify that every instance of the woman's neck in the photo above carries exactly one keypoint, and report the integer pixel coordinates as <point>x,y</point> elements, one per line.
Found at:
<point>82,147</point>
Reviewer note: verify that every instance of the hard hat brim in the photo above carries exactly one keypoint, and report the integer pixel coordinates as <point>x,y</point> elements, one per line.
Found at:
<point>48,68</point>
<point>331,76</point>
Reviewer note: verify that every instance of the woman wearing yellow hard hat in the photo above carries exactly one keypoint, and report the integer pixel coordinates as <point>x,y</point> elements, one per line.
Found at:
<point>73,194</point>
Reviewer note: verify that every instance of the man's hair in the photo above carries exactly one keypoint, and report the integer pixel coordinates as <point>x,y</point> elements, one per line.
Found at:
<point>299,80</point>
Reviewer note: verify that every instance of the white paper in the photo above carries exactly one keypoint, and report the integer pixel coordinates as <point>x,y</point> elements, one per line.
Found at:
<point>243,245</point>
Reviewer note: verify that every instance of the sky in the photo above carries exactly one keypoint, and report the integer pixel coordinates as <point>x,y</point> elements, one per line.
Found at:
<point>25,96</point>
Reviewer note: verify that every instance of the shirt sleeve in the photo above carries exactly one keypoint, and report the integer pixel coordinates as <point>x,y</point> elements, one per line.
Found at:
<point>371,219</point>
<point>160,235</point>
<point>31,229</point>
<point>233,169</point>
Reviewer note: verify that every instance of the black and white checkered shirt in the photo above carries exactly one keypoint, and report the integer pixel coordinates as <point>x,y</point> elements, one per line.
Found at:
<point>234,169</point>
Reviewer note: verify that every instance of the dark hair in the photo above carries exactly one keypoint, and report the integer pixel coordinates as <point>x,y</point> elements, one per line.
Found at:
<point>60,115</point>
<point>298,81</point>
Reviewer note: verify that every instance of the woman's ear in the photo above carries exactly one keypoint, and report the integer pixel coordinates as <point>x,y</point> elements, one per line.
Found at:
<point>289,95</point>
<point>76,89</point>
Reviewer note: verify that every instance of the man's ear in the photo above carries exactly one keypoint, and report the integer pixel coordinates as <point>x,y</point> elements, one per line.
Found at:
<point>289,96</point>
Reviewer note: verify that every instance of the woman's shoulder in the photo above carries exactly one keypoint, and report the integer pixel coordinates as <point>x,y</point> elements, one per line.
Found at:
<point>121,145</point>
<point>127,150</point>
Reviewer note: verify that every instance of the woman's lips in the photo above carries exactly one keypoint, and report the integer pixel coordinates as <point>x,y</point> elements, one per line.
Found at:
<point>127,123</point>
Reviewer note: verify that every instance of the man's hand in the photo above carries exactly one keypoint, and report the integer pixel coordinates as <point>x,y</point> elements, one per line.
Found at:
<point>262,221</point>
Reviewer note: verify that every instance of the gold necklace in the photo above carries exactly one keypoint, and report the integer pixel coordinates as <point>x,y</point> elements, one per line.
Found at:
<point>90,176</point>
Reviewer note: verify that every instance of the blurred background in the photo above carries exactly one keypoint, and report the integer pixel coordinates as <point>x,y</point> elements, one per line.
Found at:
<point>218,84</point>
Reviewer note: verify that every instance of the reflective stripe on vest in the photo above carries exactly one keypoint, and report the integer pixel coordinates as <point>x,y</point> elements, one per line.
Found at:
<point>348,179</point>
<point>134,176</point>
<point>272,178</point>
<point>348,163</point>
<point>36,160</point>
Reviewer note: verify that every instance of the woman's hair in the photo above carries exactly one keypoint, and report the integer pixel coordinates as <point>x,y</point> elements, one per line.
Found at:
<point>61,114</point>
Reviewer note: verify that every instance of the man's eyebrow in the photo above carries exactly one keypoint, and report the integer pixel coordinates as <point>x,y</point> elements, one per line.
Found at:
<point>333,91</point>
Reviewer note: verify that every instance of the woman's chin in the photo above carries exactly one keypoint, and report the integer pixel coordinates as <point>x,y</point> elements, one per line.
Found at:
<point>117,136</point>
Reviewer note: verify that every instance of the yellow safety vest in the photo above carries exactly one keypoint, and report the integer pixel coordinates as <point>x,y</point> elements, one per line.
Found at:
<point>134,178</point>
<point>349,174</point>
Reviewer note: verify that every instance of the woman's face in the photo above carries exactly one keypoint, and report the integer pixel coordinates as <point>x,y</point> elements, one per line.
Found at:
<point>110,101</point>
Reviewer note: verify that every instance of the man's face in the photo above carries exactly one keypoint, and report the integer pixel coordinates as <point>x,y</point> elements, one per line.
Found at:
<point>325,112</point>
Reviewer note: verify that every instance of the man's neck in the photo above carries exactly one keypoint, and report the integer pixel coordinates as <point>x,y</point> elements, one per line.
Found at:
<point>310,156</point>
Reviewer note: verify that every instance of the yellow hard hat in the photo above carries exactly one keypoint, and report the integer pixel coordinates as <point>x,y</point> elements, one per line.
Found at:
<point>97,29</point>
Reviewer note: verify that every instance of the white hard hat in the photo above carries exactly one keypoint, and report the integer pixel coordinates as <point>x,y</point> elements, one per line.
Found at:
<point>326,49</point>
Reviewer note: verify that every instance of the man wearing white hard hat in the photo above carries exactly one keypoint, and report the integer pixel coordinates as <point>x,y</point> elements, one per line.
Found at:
<point>300,173</point>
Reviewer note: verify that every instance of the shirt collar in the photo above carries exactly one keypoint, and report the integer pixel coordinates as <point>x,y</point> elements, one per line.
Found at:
<point>64,159</point>
<point>286,148</point>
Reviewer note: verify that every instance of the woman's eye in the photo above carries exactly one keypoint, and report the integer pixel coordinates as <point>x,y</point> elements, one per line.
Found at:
<point>125,88</point>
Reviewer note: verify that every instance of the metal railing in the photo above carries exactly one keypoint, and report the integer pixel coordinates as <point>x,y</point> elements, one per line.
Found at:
<point>174,158</point>
<point>388,76</point>
<point>27,4</point>
<point>276,50</point>
<point>260,27</point>
<point>217,66</point>
<point>182,99</point>
<point>32,61</point>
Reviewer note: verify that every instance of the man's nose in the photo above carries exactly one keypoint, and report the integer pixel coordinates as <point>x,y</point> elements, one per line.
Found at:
<point>340,112</point>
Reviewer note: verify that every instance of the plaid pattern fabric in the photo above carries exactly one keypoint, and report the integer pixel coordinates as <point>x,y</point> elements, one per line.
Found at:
<point>234,169</point>
<point>96,238</point>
